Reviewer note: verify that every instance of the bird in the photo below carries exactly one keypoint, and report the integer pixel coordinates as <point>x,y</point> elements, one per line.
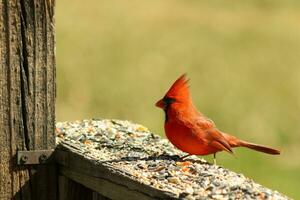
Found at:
<point>191,131</point>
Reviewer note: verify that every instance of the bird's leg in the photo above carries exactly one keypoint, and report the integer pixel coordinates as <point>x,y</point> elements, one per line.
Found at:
<point>215,160</point>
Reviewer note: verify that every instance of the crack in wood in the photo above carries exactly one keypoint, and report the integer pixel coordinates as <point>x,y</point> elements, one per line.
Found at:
<point>24,87</point>
<point>24,75</point>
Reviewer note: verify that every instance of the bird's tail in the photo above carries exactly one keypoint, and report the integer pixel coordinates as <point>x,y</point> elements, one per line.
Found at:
<point>260,148</point>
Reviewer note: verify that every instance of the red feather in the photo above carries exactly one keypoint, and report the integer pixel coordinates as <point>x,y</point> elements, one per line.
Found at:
<point>179,89</point>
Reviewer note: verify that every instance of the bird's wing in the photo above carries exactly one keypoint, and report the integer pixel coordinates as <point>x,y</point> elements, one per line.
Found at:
<point>217,140</point>
<point>206,131</point>
<point>204,123</point>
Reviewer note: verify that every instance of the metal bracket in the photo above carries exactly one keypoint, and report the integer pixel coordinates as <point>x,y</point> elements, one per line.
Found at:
<point>34,157</point>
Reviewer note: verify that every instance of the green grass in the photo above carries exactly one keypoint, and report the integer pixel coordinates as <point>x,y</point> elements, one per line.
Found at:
<point>116,58</point>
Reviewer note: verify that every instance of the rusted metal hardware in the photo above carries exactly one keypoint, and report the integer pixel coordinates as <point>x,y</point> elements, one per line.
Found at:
<point>34,157</point>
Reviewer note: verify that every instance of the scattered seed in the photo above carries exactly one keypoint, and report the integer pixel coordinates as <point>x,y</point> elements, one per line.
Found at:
<point>146,158</point>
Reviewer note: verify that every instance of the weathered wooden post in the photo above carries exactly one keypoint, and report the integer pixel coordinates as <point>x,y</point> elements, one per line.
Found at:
<point>27,99</point>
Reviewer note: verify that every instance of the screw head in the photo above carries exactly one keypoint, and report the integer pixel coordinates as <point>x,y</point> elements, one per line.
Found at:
<point>43,158</point>
<point>24,159</point>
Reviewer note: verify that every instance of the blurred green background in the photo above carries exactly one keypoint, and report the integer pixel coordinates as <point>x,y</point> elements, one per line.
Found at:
<point>116,58</point>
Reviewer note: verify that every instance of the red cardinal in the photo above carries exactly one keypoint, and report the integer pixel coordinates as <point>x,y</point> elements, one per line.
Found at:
<point>190,131</point>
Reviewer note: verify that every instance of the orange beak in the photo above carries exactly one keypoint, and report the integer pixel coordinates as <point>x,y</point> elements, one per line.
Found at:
<point>160,104</point>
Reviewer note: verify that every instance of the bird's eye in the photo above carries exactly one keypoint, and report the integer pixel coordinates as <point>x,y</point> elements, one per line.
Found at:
<point>168,100</point>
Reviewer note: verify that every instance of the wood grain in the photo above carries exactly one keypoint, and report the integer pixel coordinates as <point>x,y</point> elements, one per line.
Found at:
<point>27,96</point>
<point>104,179</point>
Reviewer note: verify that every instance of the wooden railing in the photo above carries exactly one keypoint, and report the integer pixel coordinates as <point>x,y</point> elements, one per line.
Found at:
<point>100,178</point>
<point>121,160</point>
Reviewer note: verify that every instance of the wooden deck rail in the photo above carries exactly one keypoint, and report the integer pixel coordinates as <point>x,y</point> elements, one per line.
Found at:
<point>99,177</point>
<point>121,160</point>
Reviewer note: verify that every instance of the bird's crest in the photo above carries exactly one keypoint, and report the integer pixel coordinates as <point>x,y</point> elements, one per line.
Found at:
<point>180,89</point>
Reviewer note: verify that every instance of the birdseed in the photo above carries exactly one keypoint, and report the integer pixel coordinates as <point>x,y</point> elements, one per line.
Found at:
<point>134,150</point>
